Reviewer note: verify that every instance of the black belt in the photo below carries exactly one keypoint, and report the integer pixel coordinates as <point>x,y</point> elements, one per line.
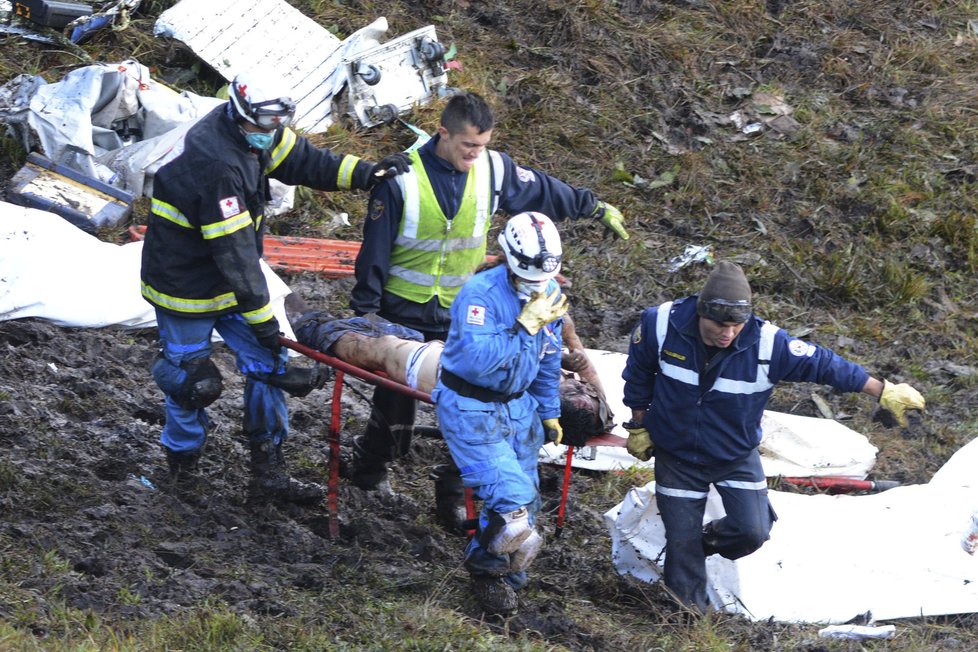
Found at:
<point>464,388</point>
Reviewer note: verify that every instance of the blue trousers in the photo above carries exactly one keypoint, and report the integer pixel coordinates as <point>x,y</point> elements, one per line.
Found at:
<point>495,446</point>
<point>681,490</point>
<point>183,339</point>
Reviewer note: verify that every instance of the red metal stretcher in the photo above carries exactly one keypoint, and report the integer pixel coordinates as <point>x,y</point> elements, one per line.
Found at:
<point>332,486</point>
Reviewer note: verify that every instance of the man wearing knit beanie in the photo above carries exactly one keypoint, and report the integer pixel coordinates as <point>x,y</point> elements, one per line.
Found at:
<point>699,375</point>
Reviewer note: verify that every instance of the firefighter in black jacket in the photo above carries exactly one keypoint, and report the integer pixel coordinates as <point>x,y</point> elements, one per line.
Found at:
<point>200,270</point>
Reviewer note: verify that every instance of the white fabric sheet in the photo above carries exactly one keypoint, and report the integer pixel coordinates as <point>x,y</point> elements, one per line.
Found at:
<point>51,269</point>
<point>896,554</point>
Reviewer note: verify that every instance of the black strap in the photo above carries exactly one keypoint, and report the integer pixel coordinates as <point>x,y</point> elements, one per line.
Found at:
<point>464,388</point>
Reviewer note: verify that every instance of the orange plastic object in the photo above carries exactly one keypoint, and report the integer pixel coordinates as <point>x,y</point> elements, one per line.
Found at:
<point>331,258</point>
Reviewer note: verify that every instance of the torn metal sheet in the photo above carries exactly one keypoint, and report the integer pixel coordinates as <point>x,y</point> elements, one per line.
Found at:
<point>358,76</point>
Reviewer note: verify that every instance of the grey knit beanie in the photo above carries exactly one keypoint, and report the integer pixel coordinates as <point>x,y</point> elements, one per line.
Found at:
<point>726,286</point>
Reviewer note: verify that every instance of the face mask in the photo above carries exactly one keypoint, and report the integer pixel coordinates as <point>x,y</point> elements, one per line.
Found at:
<point>526,289</point>
<point>260,139</point>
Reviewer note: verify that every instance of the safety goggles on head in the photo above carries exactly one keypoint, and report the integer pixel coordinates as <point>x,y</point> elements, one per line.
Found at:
<point>271,114</point>
<point>721,310</point>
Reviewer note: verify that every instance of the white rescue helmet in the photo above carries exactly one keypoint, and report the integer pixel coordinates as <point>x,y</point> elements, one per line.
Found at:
<point>532,246</point>
<point>262,99</point>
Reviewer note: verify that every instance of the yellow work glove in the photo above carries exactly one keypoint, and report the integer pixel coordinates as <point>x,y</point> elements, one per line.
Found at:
<point>639,441</point>
<point>612,218</point>
<point>553,430</point>
<point>541,309</point>
<point>897,399</point>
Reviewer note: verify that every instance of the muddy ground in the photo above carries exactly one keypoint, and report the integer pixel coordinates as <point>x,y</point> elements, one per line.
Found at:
<point>836,218</point>
<point>84,479</point>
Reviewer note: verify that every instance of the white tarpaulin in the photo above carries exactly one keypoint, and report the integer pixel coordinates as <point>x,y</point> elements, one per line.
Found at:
<point>51,269</point>
<point>896,554</point>
<point>792,445</point>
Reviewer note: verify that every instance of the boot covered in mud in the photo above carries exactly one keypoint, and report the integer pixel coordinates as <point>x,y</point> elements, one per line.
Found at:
<point>271,479</point>
<point>182,465</point>
<point>299,381</point>
<point>494,595</point>
<point>368,470</point>
<point>449,498</point>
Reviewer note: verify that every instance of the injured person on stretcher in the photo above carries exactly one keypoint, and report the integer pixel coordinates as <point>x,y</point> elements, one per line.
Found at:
<point>400,353</point>
<point>375,344</point>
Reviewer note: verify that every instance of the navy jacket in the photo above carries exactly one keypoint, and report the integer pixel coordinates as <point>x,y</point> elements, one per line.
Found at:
<point>194,263</point>
<point>712,415</point>
<point>523,189</point>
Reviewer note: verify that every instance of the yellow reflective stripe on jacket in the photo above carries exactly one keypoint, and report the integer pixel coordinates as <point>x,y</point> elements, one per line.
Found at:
<point>191,306</point>
<point>169,212</point>
<point>260,315</point>
<point>282,150</point>
<point>432,254</point>
<point>344,179</point>
<point>226,227</point>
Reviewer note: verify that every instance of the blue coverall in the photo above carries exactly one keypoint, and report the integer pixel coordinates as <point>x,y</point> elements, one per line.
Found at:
<point>495,443</point>
<point>703,412</point>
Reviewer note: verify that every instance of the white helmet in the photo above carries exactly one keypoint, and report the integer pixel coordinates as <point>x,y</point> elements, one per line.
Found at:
<point>532,246</point>
<point>262,99</point>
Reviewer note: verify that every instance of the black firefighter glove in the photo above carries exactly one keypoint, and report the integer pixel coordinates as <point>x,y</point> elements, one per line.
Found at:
<point>389,166</point>
<point>268,335</point>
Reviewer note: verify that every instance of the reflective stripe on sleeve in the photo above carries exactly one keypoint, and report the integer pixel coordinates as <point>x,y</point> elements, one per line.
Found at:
<point>170,213</point>
<point>226,227</point>
<point>259,315</point>
<point>282,150</point>
<point>344,179</point>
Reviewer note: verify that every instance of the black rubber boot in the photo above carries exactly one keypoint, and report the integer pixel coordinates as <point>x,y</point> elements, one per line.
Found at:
<point>495,596</point>
<point>449,498</point>
<point>271,479</point>
<point>367,469</point>
<point>299,381</point>
<point>182,465</point>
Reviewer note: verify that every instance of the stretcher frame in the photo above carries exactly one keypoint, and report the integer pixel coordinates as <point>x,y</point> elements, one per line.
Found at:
<point>341,368</point>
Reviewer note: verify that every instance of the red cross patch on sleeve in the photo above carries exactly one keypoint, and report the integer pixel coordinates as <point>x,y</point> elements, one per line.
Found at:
<point>475,315</point>
<point>230,206</point>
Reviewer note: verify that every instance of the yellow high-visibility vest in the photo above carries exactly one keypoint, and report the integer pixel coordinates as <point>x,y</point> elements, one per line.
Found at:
<point>434,255</point>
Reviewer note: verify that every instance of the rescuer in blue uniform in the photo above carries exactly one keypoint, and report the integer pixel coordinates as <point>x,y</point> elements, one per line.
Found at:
<point>699,374</point>
<point>200,270</point>
<point>498,391</point>
<point>425,234</point>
